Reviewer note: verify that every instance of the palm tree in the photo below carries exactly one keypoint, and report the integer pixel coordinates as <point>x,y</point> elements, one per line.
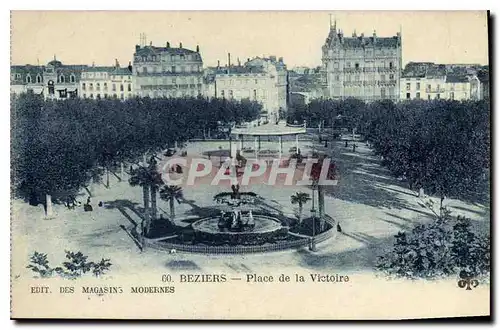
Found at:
<point>145,177</point>
<point>171,193</point>
<point>300,198</point>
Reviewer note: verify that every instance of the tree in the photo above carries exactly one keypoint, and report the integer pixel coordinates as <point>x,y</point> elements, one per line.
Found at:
<point>170,194</point>
<point>142,176</point>
<point>300,198</point>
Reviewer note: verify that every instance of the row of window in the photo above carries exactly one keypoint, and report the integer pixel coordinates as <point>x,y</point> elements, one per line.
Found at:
<point>357,77</point>
<point>438,96</point>
<point>230,94</point>
<point>105,87</point>
<point>105,95</point>
<point>417,87</point>
<point>356,65</point>
<point>98,75</point>
<point>176,80</point>
<point>154,58</point>
<point>172,69</point>
<point>39,79</point>
<point>232,82</point>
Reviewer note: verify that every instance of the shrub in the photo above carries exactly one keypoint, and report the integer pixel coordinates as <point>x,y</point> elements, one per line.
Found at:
<point>442,248</point>
<point>75,267</point>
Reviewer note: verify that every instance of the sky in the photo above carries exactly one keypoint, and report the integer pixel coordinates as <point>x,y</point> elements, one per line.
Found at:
<point>100,37</point>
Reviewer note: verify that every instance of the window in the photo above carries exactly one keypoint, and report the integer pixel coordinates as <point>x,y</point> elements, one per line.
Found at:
<point>391,76</point>
<point>222,93</point>
<point>98,96</point>
<point>174,81</point>
<point>114,87</point>
<point>348,64</point>
<point>173,69</point>
<point>230,94</point>
<point>356,77</point>
<point>382,77</point>
<point>144,58</point>
<point>121,96</point>
<point>429,87</point>
<point>91,86</point>
<point>255,94</point>
<point>153,58</point>
<point>391,65</point>
<point>382,92</point>
<point>63,93</point>
<point>437,87</point>
<point>182,57</point>
<point>121,87</point>
<point>18,76</point>
<point>408,96</point>
<point>38,79</point>
<point>417,96</point>
<point>336,65</point>
<point>172,57</point>
<point>83,86</point>
<point>114,95</point>
<point>418,86</point>
<point>105,95</point>
<point>129,87</point>
<point>105,86</point>
<point>428,97</point>
<point>356,65</point>
<point>408,86</point>
<point>28,79</point>
<point>256,82</point>
<point>337,78</point>
<point>84,95</point>
<point>452,95</point>
<point>438,96</point>
<point>61,79</point>
<point>91,95</point>
<point>97,87</point>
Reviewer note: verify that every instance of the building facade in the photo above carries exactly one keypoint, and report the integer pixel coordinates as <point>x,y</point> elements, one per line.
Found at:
<point>430,81</point>
<point>167,71</point>
<point>263,80</point>
<point>106,82</point>
<point>367,68</point>
<point>54,80</point>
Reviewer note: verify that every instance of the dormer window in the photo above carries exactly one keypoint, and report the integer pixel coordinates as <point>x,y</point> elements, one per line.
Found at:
<point>183,57</point>
<point>61,79</point>
<point>28,79</point>
<point>72,78</point>
<point>38,79</point>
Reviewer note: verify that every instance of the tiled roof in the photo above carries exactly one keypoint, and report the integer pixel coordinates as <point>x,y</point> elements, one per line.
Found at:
<point>170,50</point>
<point>359,41</point>
<point>456,78</point>
<point>239,70</point>
<point>99,69</point>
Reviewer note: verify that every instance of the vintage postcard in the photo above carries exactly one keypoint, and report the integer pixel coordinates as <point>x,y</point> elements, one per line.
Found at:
<point>250,165</point>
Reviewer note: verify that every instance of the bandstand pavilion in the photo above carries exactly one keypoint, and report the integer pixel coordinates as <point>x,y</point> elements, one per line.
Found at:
<point>279,130</point>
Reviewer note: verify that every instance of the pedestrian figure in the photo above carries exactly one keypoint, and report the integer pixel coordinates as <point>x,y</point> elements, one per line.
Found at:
<point>346,144</point>
<point>100,204</point>
<point>353,148</point>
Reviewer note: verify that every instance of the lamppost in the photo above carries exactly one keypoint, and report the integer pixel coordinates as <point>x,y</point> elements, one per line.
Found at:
<point>313,212</point>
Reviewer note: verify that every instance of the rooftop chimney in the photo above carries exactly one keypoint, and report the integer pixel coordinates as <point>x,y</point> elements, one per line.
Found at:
<point>228,59</point>
<point>218,64</point>
<point>129,66</point>
<point>116,63</point>
<point>374,35</point>
<point>180,45</point>
<point>354,35</point>
<point>137,47</point>
<point>280,59</point>
<point>197,48</point>
<point>168,44</point>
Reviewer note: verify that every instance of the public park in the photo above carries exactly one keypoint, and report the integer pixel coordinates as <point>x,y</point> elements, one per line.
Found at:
<point>89,177</point>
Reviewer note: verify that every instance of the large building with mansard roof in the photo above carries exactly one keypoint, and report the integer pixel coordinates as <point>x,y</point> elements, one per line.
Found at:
<point>363,67</point>
<point>54,80</point>
<point>167,71</point>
